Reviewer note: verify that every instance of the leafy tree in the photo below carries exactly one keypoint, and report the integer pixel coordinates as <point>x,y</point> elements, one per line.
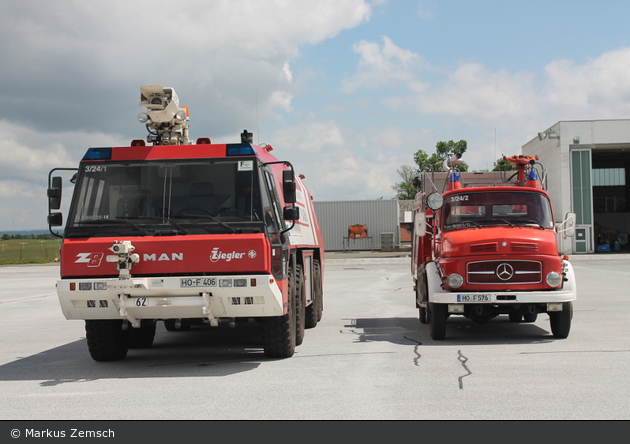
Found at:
<point>502,165</point>
<point>405,189</point>
<point>443,150</point>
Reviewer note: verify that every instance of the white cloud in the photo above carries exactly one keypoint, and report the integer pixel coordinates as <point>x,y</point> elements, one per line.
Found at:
<point>381,65</point>
<point>598,89</point>
<point>72,71</point>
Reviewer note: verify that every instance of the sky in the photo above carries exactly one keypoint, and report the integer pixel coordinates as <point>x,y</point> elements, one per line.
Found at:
<point>346,90</point>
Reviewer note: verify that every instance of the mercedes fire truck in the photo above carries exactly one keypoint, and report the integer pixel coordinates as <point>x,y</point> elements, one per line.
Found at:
<point>485,245</point>
<point>186,233</point>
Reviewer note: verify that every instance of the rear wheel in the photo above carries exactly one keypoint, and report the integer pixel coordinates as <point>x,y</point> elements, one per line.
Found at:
<point>561,320</point>
<point>300,305</point>
<point>315,310</point>
<point>530,317</point>
<point>279,332</point>
<point>107,341</point>
<point>437,320</point>
<point>142,337</point>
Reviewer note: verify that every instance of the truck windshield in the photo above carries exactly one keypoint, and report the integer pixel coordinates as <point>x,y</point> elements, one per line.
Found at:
<point>510,208</point>
<point>174,197</point>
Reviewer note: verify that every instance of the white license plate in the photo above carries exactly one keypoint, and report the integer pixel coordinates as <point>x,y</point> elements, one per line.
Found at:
<point>197,282</point>
<point>473,298</point>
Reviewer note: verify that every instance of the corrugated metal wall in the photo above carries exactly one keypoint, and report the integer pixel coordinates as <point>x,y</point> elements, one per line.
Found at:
<point>380,216</point>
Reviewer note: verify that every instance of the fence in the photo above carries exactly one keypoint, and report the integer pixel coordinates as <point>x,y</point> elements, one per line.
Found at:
<point>28,251</point>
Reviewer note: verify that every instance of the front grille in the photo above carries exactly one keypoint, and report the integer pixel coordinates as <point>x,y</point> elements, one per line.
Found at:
<point>504,272</point>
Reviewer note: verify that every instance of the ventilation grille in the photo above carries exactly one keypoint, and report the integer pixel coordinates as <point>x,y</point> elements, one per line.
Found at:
<point>524,246</point>
<point>483,248</point>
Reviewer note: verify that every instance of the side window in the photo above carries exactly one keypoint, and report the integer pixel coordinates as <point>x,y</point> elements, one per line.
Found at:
<point>271,207</point>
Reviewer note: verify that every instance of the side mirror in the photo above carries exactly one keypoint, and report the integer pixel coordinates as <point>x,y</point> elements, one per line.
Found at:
<point>420,224</point>
<point>288,186</point>
<point>291,213</point>
<point>55,219</point>
<point>54,193</point>
<point>568,224</point>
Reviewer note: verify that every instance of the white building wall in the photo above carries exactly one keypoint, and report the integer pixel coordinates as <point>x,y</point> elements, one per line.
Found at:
<point>555,156</point>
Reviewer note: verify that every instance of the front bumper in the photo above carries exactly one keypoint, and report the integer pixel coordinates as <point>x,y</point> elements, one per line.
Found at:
<point>133,299</point>
<point>438,295</point>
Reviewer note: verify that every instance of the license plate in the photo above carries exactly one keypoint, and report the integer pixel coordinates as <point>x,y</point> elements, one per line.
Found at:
<point>197,282</point>
<point>473,298</point>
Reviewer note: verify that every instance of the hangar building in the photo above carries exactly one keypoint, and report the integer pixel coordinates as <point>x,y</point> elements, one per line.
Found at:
<point>588,168</point>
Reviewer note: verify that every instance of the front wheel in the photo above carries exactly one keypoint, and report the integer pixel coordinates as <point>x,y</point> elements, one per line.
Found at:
<point>561,320</point>
<point>279,332</point>
<point>437,320</point>
<point>107,341</point>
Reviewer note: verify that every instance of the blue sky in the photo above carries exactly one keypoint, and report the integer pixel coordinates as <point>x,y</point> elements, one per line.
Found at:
<point>347,90</point>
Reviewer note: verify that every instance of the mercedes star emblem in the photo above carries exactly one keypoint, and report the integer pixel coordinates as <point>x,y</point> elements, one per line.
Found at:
<point>505,271</point>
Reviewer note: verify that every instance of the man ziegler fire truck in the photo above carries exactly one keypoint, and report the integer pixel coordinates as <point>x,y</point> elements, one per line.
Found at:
<point>186,233</point>
<point>485,244</point>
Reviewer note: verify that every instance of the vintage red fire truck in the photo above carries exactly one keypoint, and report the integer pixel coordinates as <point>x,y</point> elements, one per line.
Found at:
<point>186,233</point>
<point>485,245</point>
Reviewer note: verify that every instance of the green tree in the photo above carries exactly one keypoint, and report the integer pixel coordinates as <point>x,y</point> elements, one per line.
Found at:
<point>405,189</point>
<point>6,236</point>
<point>443,150</point>
<point>502,165</point>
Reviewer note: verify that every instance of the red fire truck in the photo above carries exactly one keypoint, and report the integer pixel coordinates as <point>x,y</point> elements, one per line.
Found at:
<point>485,245</point>
<point>186,233</point>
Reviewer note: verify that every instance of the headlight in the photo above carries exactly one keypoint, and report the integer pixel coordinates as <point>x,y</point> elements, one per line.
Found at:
<point>143,117</point>
<point>180,115</point>
<point>455,280</point>
<point>554,279</point>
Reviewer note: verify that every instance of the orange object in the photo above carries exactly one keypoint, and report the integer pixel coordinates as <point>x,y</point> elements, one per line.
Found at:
<point>357,231</point>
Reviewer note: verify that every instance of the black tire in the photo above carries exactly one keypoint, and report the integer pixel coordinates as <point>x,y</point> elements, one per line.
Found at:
<point>278,332</point>
<point>515,317</point>
<point>315,310</point>
<point>561,321</point>
<point>142,337</point>
<point>106,339</point>
<point>300,305</point>
<point>530,317</point>
<point>437,320</point>
<point>423,315</point>
<point>422,292</point>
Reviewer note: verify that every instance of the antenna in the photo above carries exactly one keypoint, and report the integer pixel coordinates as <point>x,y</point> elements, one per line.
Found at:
<point>257,130</point>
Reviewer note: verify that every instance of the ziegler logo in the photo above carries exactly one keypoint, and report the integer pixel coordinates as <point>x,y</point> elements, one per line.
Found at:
<point>91,259</point>
<point>218,255</point>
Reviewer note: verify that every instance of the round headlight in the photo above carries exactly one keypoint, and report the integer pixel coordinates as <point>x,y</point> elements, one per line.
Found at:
<point>554,279</point>
<point>455,280</point>
<point>143,117</point>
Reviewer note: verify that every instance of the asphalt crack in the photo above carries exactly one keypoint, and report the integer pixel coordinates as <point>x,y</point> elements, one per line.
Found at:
<point>415,350</point>
<point>463,359</point>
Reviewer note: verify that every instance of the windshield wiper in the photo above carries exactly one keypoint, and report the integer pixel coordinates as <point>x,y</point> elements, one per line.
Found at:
<point>507,222</point>
<point>207,216</point>
<point>534,220</point>
<point>116,221</point>
<point>181,230</point>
